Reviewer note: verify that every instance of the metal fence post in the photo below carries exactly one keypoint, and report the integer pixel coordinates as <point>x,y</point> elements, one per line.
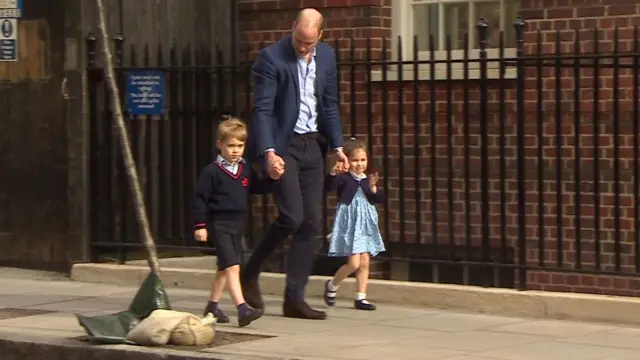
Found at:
<point>522,241</point>
<point>92,42</point>
<point>482,26</point>
<point>118,43</point>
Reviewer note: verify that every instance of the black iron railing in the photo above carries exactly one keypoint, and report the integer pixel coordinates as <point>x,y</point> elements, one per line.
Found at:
<point>503,167</point>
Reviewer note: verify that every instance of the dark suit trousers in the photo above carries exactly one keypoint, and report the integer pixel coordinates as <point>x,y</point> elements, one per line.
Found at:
<point>298,196</point>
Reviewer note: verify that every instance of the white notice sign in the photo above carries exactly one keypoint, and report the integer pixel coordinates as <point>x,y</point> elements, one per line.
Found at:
<point>8,39</point>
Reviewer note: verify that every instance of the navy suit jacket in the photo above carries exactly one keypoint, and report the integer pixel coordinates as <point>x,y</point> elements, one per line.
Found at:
<point>276,97</point>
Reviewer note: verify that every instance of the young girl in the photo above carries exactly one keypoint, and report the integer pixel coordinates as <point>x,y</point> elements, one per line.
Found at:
<point>355,230</point>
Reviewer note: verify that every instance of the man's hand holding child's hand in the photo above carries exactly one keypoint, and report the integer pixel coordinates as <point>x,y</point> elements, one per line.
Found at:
<point>338,167</point>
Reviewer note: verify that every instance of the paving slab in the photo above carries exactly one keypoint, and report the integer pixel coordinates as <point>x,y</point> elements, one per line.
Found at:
<point>553,328</point>
<point>555,350</point>
<point>34,299</point>
<point>391,332</point>
<point>491,301</point>
<point>623,338</point>
<point>451,322</point>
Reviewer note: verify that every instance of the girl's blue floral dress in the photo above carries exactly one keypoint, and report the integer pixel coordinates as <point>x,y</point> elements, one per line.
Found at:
<point>355,227</point>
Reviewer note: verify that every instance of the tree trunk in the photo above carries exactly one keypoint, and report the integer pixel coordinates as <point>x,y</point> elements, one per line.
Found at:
<point>129,163</point>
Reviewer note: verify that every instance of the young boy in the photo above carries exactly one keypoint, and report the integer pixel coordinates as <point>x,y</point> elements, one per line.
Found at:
<point>221,199</point>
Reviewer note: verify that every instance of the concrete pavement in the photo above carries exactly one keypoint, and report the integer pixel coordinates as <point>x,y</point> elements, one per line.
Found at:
<point>391,332</point>
<point>195,273</point>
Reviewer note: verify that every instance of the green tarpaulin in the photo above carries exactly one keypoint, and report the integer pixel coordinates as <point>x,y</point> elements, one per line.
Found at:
<point>113,328</point>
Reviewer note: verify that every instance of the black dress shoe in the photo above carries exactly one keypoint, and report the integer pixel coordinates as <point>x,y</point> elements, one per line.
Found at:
<point>299,309</point>
<point>329,296</point>
<point>251,293</point>
<point>249,316</point>
<point>363,305</point>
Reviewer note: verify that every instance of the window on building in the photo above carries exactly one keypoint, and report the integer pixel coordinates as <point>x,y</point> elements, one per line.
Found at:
<point>453,18</point>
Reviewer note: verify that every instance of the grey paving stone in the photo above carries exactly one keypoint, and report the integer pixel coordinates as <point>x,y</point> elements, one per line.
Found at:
<point>397,350</point>
<point>447,321</point>
<point>84,306</point>
<point>53,321</point>
<point>476,341</point>
<point>293,327</point>
<point>384,313</point>
<point>28,300</point>
<point>554,350</point>
<point>368,334</point>
<point>553,328</point>
<point>466,357</point>
<point>283,346</point>
<point>626,338</point>
<point>391,332</point>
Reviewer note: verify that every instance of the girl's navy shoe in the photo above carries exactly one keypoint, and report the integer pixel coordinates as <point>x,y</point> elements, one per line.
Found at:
<point>329,296</point>
<point>363,305</point>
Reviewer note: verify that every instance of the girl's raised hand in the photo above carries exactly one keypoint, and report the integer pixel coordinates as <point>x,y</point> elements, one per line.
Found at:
<point>373,178</point>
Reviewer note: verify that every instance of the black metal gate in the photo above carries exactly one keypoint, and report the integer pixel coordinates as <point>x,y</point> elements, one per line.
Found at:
<point>483,197</point>
<point>169,149</point>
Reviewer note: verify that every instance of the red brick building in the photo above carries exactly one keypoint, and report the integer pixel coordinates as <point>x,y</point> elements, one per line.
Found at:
<point>555,25</point>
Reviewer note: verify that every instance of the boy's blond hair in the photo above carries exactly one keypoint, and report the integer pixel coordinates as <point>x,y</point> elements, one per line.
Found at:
<point>232,128</point>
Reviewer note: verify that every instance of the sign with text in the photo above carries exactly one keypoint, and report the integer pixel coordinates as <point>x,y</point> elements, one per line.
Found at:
<point>145,92</point>
<point>10,9</point>
<point>8,39</point>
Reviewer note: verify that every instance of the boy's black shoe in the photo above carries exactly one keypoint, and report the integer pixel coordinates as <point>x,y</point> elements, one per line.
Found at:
<point>363,305</point>
<point>248,316</point>
<point>329,296</point>
<point>221,317</point>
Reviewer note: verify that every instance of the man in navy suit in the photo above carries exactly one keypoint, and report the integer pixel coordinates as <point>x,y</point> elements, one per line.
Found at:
<point>295,119</point>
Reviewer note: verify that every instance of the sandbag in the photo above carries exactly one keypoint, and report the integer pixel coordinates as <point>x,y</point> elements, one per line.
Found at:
<point>192,331</point>
<point>114,328</point>
<point>156,329</point>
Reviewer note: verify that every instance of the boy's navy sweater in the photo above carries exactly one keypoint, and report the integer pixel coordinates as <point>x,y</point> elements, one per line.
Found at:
<point>221,195</point>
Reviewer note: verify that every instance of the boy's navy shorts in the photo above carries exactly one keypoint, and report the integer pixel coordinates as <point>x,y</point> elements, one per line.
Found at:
<point>227,238</point>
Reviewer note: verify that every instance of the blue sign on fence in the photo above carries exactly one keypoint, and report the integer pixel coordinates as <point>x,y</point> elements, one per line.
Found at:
<point>145,92</point>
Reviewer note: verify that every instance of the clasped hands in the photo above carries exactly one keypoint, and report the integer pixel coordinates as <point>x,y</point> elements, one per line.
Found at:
<point>276,166</point>
<point>201,235</point>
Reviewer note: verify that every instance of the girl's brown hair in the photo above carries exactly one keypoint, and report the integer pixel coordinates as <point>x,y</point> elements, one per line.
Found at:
<point>354,144</point>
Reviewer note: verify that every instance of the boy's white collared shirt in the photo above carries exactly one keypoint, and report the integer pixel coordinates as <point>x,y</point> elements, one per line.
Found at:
<point>230,167</point>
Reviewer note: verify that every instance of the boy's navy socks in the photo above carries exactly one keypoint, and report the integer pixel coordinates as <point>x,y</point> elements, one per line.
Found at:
<point>212,307</point>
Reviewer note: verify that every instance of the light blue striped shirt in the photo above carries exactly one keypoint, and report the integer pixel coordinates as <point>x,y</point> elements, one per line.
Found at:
<point>308,116</point>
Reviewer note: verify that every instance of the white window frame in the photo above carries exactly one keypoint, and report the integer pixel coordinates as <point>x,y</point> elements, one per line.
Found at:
<point>402,26</point>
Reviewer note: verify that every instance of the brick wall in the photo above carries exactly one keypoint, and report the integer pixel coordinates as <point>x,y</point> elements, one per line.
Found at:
<point>267,21</point>
<point>562,18</point>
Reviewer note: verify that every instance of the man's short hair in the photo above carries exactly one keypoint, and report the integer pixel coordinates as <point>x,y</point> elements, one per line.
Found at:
<point>319,23</point>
